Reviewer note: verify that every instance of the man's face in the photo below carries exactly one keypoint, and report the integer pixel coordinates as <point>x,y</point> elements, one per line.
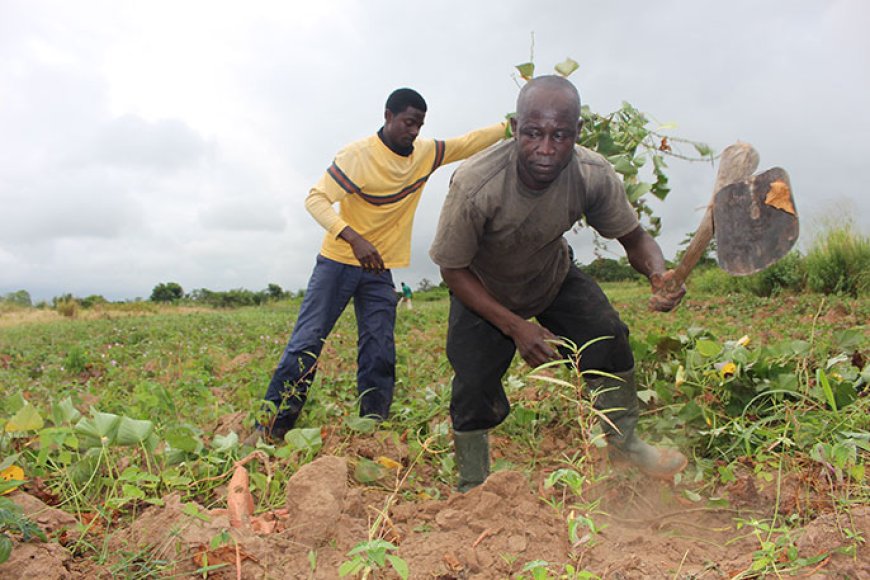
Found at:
<point>545,130</point>
<point>400,129</point>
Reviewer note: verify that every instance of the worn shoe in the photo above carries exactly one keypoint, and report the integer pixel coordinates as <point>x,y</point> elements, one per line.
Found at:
<point>657,462</point>
<point>259,433</point>
<point>253,437</point>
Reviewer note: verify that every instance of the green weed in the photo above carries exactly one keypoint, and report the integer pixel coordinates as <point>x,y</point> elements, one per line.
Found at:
<point>839,261</point>
<point>372,556</point>
<point>15,524</point>
<point>113,413</point>
<point>776,554</point>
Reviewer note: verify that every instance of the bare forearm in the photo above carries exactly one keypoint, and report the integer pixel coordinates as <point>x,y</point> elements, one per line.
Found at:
<point>349,235</point>
<point>645,256</point>
<point>643,252</point>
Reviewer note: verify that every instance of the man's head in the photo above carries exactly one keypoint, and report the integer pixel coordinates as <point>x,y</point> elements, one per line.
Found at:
<point>546,127</point>
<point>404,116</point>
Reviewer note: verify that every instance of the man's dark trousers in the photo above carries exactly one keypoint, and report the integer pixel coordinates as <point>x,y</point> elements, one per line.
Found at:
<point>480,354</point>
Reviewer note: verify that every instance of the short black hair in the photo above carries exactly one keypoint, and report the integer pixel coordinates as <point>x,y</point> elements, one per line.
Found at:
<point>401,99</point>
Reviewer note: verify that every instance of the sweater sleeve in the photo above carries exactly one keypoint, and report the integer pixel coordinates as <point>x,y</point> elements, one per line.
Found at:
<point>467,145</point>
<point>334,185</point>
<point>319,204</point>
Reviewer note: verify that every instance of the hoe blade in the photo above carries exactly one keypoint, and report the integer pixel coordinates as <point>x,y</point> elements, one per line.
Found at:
<point>755,221</point>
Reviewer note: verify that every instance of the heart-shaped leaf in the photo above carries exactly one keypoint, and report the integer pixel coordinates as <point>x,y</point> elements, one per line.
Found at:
<point>26,419</point>
<point>133,431</point>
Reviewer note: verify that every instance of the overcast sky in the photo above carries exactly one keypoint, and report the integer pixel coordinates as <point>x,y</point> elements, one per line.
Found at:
<point>156,141</point>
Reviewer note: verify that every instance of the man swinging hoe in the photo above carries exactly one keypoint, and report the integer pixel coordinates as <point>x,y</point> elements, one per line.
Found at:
<point>501,251</point>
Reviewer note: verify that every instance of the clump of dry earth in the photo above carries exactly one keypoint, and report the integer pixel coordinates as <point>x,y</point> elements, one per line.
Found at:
<point>490,532</point>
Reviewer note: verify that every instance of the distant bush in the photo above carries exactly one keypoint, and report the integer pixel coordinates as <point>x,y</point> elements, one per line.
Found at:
<point>788,274</point>
<point>93,300</point>
<point>67,306</point>
<point>275,292</point>
<point>167,292</point>
<point>230,299</point>
<point>19,298</point>
<point>433,294</point>
<point>714,280</point>
<point>6,306</point>
<point>609,270</point>
<point>136,307</point>
<point>839,262</point>
<point>425,285</point>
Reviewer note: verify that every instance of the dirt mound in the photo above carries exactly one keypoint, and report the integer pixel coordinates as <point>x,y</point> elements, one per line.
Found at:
<point>38,560</point>
<point>648,529</point>
<point>327,521</point>
<point>490,532</point>
<point>483,534</point>
<point>634,527</point>
<point>825,535</point>
<point>46,559</point>
<point>50,519</point>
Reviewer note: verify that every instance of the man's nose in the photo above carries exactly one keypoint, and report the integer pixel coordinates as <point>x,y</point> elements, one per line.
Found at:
<point>547,146</point>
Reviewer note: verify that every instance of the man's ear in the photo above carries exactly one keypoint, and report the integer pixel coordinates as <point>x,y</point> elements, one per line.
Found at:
<point>513,122</point>
<point>579,126</point>
<point>388,116</point>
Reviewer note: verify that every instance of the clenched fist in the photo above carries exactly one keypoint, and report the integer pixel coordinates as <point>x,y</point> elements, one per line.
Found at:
<point>667,293</point>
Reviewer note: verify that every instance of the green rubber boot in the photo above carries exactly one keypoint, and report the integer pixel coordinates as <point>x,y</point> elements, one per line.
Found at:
<point>618,400</point>
<point>471,449</point>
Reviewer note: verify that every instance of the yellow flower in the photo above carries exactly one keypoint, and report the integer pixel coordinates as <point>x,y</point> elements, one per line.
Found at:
<point>728,369</point>
<point>388,463</point>
<point>10,473</point>
<point>743,340</point>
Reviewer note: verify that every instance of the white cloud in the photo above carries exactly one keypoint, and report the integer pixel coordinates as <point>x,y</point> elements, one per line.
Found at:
<point>146,142</point>
<point>71,205</point>
<point>162,145</point>
<point>242,215</point>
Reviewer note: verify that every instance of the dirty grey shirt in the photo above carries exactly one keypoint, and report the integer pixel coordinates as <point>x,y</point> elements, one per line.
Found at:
<point>510,236</point>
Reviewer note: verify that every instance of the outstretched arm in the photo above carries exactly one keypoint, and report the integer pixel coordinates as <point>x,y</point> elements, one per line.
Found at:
<point>645,256</point>
<point>530,339</point>
<point>467,145</point>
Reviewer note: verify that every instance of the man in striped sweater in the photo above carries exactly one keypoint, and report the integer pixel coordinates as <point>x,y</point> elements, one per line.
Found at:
<point>376,182</point>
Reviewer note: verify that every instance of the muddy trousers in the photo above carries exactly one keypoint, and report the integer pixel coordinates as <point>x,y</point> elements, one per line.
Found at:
<point>330,288</point>
<point>480,354</point>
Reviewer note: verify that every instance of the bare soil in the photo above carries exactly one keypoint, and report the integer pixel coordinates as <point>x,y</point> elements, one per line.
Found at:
<point>644,529</point>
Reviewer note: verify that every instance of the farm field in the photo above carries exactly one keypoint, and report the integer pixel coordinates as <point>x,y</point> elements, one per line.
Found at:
<point>126,424</point>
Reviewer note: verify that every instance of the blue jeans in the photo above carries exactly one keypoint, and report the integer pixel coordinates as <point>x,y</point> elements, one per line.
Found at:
<point>331,286</point>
